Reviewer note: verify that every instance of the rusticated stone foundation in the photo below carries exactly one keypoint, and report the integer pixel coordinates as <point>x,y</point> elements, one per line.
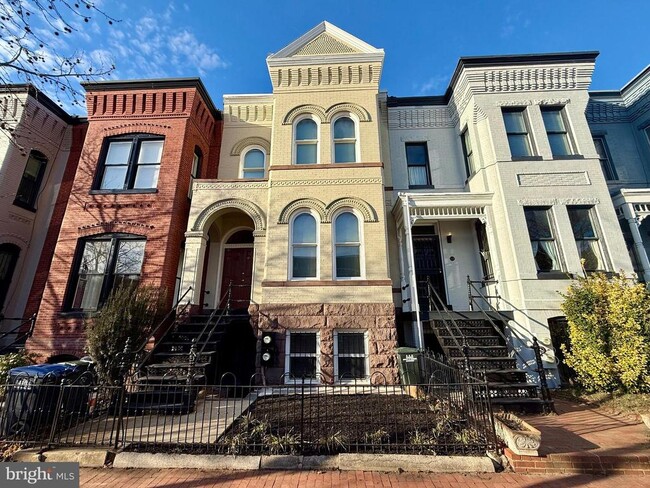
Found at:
<point>377,318</point>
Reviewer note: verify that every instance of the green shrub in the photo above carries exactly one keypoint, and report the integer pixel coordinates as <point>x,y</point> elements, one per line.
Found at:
<point>129,313</point>
<point>609,333</point>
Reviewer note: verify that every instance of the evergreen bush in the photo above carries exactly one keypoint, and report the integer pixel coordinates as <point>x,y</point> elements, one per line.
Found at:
<point>609,333</point>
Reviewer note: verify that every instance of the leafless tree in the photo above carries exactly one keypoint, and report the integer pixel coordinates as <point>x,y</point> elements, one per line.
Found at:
<point>35,46</point>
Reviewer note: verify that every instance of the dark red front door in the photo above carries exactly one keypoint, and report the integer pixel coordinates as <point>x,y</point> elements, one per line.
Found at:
<point>238,269</point>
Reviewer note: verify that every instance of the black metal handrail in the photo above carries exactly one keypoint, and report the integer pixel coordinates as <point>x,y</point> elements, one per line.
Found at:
<point>464,347</point>
<point>432,303</point>
<point>491,321</point>
<point>534,346</point>
<point>173,310</point>
<point>20,336</point>
<point>227,297</point>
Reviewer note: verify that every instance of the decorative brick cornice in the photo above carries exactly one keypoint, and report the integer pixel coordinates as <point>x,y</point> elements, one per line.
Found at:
<point>112,226</point>
<point>327,182</point>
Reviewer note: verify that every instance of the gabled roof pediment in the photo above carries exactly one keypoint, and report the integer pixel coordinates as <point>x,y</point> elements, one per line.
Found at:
<point>325,43</point>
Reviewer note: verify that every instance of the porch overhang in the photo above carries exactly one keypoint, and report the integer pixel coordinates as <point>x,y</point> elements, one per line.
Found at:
<point>632,203</point>
<point>442,206</point>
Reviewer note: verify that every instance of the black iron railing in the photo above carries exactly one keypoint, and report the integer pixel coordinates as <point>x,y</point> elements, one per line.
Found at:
<point>429,418</point>
<point>20,332</point>
<point>140,356</point>
<point>474,295</point>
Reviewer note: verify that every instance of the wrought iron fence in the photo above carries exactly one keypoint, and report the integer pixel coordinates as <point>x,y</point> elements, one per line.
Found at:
<point>438,417</point>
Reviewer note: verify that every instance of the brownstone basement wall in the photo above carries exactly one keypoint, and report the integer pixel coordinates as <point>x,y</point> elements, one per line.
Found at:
<point>377,318</point>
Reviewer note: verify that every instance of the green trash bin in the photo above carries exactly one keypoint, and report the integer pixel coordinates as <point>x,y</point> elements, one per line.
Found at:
<point>409,365</point>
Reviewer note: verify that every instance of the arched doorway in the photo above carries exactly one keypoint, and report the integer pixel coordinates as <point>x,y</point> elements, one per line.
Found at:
<point>237,268</point>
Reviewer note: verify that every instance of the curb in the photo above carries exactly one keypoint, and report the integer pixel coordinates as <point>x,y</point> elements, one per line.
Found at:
<point>97,458</point>
<point>344,462</point>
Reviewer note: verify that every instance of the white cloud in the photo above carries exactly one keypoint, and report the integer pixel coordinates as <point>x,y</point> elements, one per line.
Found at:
<point>436,84</point>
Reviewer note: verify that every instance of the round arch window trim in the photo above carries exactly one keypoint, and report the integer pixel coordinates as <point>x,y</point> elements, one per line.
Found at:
<point>292,220</point>
<point>357,147</point>
<point>242,160</point>
<point>295,143</point>
<point>362,254</point>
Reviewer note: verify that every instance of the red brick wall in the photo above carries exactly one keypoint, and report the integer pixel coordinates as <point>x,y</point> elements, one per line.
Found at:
<point>181,116</point>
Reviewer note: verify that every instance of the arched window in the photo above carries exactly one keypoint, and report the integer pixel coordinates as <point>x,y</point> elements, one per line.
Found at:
<point>347,246</point>
<point>253,163</point>
<point>306,142</point>
<point>30,183</point>
<point>304,247</point>
<point>345,140</point>
<point>8,259</point>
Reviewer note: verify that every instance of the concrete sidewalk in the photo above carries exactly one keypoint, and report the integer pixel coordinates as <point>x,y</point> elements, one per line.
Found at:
<point>186,478</point>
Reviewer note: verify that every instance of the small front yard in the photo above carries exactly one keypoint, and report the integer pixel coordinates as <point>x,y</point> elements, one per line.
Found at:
<point>354,423</point>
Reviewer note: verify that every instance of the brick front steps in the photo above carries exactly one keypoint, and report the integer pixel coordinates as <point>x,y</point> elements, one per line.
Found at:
<point>579,463</point>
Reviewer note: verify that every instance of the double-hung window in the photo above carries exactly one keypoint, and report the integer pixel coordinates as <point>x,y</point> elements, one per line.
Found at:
<point>347,244</point>
<point>345,140</point>
<point>196,169</point>
<point>417,162</point>
<point>306,142</point>
<point>304,247</point>
<point>605,159</point>
<point>558,136</point>
<point>586,237</point>
<point>542,239</point>
<point>484,251</point>
<point>105,262</point>
<point>131,162</point>
<point>30,183</point>
<point>253,164</point>
<point>350,355</point>
<point>517,131</point>
<point>468,153</point>
<point>301,356</point>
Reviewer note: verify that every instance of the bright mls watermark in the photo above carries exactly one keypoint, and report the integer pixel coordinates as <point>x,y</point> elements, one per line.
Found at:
<point>51,475</point>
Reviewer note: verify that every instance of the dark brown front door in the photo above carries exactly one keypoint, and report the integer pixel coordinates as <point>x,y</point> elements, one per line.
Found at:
<point>238,269</point>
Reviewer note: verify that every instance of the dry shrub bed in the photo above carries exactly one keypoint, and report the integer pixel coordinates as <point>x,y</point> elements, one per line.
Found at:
<point>352,423</point>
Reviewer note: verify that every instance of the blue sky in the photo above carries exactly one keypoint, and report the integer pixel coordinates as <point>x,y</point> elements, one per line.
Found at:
<point>226,43</point>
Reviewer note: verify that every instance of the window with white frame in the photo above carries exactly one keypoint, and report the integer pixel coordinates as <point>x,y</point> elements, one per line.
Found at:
<point>253,163</point>
<point>306,142</point>
<point>304,247</point>
<point>302,353</point>
<point>556,130</point>
<point>517,131</point>
<point>417,162</point>
<point>345,140</point>
<point>647,133</point>
<point>542,239</point>
<point>347,246</point>
<point>586,237</point>
<point>351,360</point>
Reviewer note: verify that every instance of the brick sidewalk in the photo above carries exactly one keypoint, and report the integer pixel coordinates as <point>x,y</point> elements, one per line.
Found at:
<point>187,478</point>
